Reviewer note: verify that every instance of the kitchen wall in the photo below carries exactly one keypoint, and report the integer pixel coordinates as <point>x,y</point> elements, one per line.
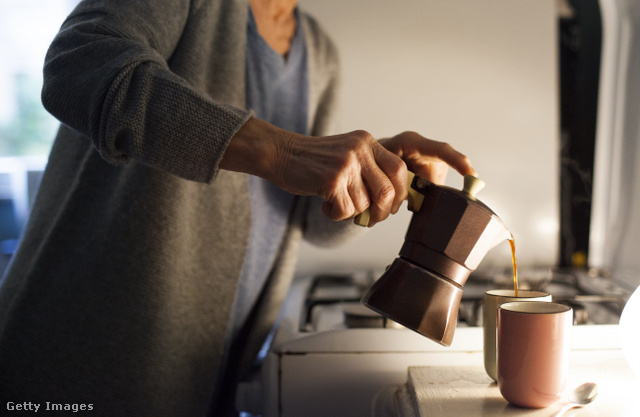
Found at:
<point>479,75</point>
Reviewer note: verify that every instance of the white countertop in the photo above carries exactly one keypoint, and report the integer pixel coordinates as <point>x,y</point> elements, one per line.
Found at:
<point>442,391</point>
<point>373,372</point>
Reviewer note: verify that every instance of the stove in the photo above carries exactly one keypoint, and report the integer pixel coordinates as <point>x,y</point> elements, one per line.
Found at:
<point>331,356</point>
<point>595,298</point>
<point>333,301</point>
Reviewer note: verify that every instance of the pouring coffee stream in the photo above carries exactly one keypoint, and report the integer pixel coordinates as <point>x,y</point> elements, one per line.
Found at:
<point>512,243</point>
<point>449,234</point>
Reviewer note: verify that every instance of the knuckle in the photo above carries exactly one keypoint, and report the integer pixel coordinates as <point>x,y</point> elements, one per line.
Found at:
<point>447,148</point>
<point>360,141</point>
<point>398,168</point>
<point>385,195</point>
<point>331,186</point>
<point>362,135</point>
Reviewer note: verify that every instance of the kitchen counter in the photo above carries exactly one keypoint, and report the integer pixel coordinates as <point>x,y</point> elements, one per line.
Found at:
<point>320,367</point>
<point>442,391</point>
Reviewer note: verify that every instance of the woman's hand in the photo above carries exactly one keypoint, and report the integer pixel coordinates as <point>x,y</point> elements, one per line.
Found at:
<point>428,158</point>
<point>351,171</point>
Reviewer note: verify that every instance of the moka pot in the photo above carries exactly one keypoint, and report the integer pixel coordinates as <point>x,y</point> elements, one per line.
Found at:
<point>450,233</point>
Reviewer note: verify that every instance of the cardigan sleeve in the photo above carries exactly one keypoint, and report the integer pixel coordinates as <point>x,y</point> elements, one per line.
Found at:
<point>106,75</point>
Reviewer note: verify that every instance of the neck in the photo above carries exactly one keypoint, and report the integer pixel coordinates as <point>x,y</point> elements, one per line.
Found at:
<point>275,21</point>
<point>276,10</point>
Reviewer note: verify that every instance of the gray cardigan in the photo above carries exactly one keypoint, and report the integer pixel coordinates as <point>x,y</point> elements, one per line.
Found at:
<point>120,293</point>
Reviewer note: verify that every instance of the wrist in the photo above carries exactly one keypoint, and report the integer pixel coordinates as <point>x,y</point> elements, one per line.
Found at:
<point>256,149</point>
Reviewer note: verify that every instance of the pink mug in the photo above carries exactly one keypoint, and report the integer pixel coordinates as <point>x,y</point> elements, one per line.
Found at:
<point>533,352</point>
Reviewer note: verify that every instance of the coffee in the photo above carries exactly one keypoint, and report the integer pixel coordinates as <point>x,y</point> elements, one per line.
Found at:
<point>512,243</point>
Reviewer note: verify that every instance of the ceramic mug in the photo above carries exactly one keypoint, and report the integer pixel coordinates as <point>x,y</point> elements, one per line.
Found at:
<point>533,352</point>
<point>491,301</point>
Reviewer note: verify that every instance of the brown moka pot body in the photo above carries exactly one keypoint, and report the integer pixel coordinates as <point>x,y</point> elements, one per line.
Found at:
<point>449,234</point>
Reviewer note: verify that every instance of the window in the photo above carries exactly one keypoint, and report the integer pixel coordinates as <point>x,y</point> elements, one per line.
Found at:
<point>27,27</point>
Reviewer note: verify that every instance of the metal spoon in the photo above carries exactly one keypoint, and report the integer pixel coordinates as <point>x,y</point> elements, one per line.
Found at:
<point>580,396</point>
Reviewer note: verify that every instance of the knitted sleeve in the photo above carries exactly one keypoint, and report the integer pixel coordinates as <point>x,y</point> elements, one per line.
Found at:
<point>107,76</point>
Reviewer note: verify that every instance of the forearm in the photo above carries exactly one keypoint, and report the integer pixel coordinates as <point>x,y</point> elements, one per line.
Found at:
<point>258,149</point>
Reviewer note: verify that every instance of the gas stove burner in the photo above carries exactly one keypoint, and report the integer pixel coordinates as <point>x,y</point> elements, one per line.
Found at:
<point>333,301</point>
<point>594,300</point>
<point>357,316</point>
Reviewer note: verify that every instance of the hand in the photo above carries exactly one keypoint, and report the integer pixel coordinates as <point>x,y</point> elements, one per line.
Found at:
<point>351,172</point>
<point>427,158</point>
<point>359,173</point>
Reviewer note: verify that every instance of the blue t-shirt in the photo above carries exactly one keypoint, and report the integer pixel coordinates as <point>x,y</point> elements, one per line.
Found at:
<point>277,91</point>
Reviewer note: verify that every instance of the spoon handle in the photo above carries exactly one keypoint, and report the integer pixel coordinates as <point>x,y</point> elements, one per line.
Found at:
<point>564,409</point>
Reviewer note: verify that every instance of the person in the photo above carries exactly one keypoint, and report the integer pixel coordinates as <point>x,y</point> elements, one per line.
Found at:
<point>195,152</point>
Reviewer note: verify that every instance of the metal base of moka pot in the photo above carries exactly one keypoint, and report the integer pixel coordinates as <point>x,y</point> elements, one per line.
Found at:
<point>417,299</point>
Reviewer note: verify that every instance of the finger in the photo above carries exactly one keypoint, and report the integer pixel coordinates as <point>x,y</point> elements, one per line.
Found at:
<point>381,193</point>
<point>432,161</point>
<point>347,199</point>
<point>348,207</point>
<point>425,156</point>
<point>434,170</point>
<point>359,194</point>
<point>396,171</point>
<point>342,207</point>
<point>326,208</point>
<point>457,160</point>
<point>439,172</point>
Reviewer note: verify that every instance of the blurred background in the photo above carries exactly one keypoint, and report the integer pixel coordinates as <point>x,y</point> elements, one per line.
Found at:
<point>482,76</point>
<point>523,87</point>
<point>27,27</point>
